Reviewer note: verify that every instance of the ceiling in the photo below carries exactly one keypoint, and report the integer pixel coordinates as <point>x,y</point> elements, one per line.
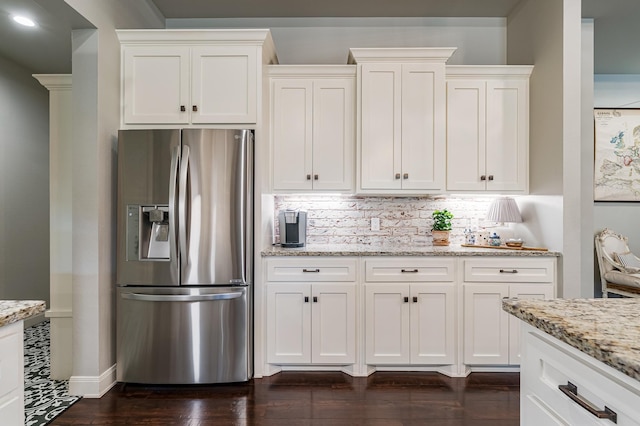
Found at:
<point>48,48</point>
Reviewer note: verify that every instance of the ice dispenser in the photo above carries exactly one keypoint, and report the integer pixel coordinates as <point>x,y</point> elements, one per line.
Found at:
<point>293,228</point>
<point>148,232</point>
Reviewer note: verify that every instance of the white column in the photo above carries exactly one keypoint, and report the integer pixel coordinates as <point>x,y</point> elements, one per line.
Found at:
<point>60,179</point>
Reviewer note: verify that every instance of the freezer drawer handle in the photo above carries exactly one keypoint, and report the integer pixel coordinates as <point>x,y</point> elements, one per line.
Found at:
<point>311,270</point>
<point>571,391</point>
<point>180,297</point>
<point>504,271</point>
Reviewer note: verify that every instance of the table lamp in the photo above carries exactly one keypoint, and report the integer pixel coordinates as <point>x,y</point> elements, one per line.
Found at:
<point>504,210</point>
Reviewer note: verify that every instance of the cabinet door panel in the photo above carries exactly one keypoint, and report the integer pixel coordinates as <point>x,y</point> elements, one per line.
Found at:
<point>523,291</point>
<point>333,322</point>
<point>432,323</point>
<point>333,134</point>
<point>507,133</point>
<point>224,86</point>
<point>380,158</point>
<point>156,85</point>
<point>486,325</point>
<point>292,134</point>
<point>288,323</point>
<point>387,324</point>
<point>466,130</point>
<point>423,126</point>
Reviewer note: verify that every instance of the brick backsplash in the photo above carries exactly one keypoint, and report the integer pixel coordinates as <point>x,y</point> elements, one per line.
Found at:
<point>341,220</point>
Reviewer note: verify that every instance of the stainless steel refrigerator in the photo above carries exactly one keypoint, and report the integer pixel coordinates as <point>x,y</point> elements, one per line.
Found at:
<point>184,256</point>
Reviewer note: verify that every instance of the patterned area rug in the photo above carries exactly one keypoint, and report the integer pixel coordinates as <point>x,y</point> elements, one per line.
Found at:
<point>44,399</point>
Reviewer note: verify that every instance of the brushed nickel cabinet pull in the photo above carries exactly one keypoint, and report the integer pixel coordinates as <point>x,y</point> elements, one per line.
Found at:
<point>571,391</point>
<point>409,271</point>
<point>311,270</point>
<point>504,271</point>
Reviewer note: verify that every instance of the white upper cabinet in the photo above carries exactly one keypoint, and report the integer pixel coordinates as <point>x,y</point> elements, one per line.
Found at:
<point>313,127</point>
<point>181,77</point>
<point>401,106</point>
<point>488,128</point>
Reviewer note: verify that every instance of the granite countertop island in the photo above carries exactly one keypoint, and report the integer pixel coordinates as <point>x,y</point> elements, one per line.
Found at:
<point>606,329</point>
<point>399,250</point>
<point>17,310</point>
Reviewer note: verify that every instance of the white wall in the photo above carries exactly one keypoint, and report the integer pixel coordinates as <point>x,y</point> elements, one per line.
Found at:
<point>479,41</point>
<point>24,185</point>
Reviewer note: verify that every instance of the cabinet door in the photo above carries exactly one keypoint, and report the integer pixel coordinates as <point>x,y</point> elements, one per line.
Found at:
<point>289,323</point>
<point>333,134</point>
<point>432,323</point>
<point>523,291</point>
<point>466,135</point>
<point>507,135</point>
<point>387,324</point>
<point>423,126</point>
<point>155,85</point>
<point>224,84</point>
<point>292,132</point>
<point>486,325</point>
<point>380,150</point>
<point>333,324</point>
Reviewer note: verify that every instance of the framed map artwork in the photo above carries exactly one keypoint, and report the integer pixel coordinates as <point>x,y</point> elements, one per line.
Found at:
<point>617,154</point>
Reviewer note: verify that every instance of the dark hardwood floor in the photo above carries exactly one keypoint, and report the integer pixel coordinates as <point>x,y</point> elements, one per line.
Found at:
<point>312,398</point>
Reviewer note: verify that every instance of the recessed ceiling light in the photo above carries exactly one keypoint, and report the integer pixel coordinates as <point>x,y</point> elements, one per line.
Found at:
<point>22,20</point>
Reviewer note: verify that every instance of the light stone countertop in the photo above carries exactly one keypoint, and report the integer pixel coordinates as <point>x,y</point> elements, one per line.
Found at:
<point>606,329</point>
<point>382,250</point>
<point>17,310</point>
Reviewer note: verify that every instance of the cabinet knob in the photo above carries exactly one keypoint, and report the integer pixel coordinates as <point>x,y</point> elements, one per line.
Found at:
<point>490,177</point>
<point>194,108</point>
<point>182,108</point>
<point>483,177</point>
<point>308,177</point>
<point>397,175</point>
<point>406,300</point>
<point>315,299</point>
<point>306,299</point>
<point>415,299</point>
<point>405,176</point>
<point>315,177</point>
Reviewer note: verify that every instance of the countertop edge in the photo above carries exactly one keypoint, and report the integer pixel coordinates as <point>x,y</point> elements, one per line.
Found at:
<point>12,311</point>
<point>366,251</point>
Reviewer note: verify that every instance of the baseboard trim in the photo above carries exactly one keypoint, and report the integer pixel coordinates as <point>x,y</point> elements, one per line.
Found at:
<point>93,386</point>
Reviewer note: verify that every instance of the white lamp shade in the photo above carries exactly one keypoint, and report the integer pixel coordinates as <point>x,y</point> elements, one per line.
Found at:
<point>504,209</point>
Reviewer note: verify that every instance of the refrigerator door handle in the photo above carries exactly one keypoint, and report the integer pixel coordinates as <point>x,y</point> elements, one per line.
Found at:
<point>180,297</point>
<point>182,202</point>
<point>173,178</point>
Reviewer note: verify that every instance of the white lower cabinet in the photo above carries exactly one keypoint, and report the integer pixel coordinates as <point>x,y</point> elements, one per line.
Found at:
<point>491,336</point>
<point>11,374</point>
<point>410,318</point>
<point>549,365</point>
<point>311,322</point>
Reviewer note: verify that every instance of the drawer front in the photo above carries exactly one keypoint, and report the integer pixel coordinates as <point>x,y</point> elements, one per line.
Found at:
<point>548,364</point>
<point>311,269</point>
<point>510,270</point>
<point>410,269</point>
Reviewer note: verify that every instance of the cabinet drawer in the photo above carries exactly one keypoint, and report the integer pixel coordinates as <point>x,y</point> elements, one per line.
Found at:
<point>510,270</point>
<point>312,269</point>
<point>549,363</point>
<point>410,270</point>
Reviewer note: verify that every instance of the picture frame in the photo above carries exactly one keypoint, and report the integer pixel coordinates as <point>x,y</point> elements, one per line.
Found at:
<point>617,154</point>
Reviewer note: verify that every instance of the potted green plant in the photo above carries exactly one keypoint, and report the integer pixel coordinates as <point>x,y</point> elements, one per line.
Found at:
<point>441,227</point>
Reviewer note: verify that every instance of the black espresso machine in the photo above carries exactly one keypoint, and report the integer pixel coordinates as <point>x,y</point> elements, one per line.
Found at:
<point>293,228</point>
